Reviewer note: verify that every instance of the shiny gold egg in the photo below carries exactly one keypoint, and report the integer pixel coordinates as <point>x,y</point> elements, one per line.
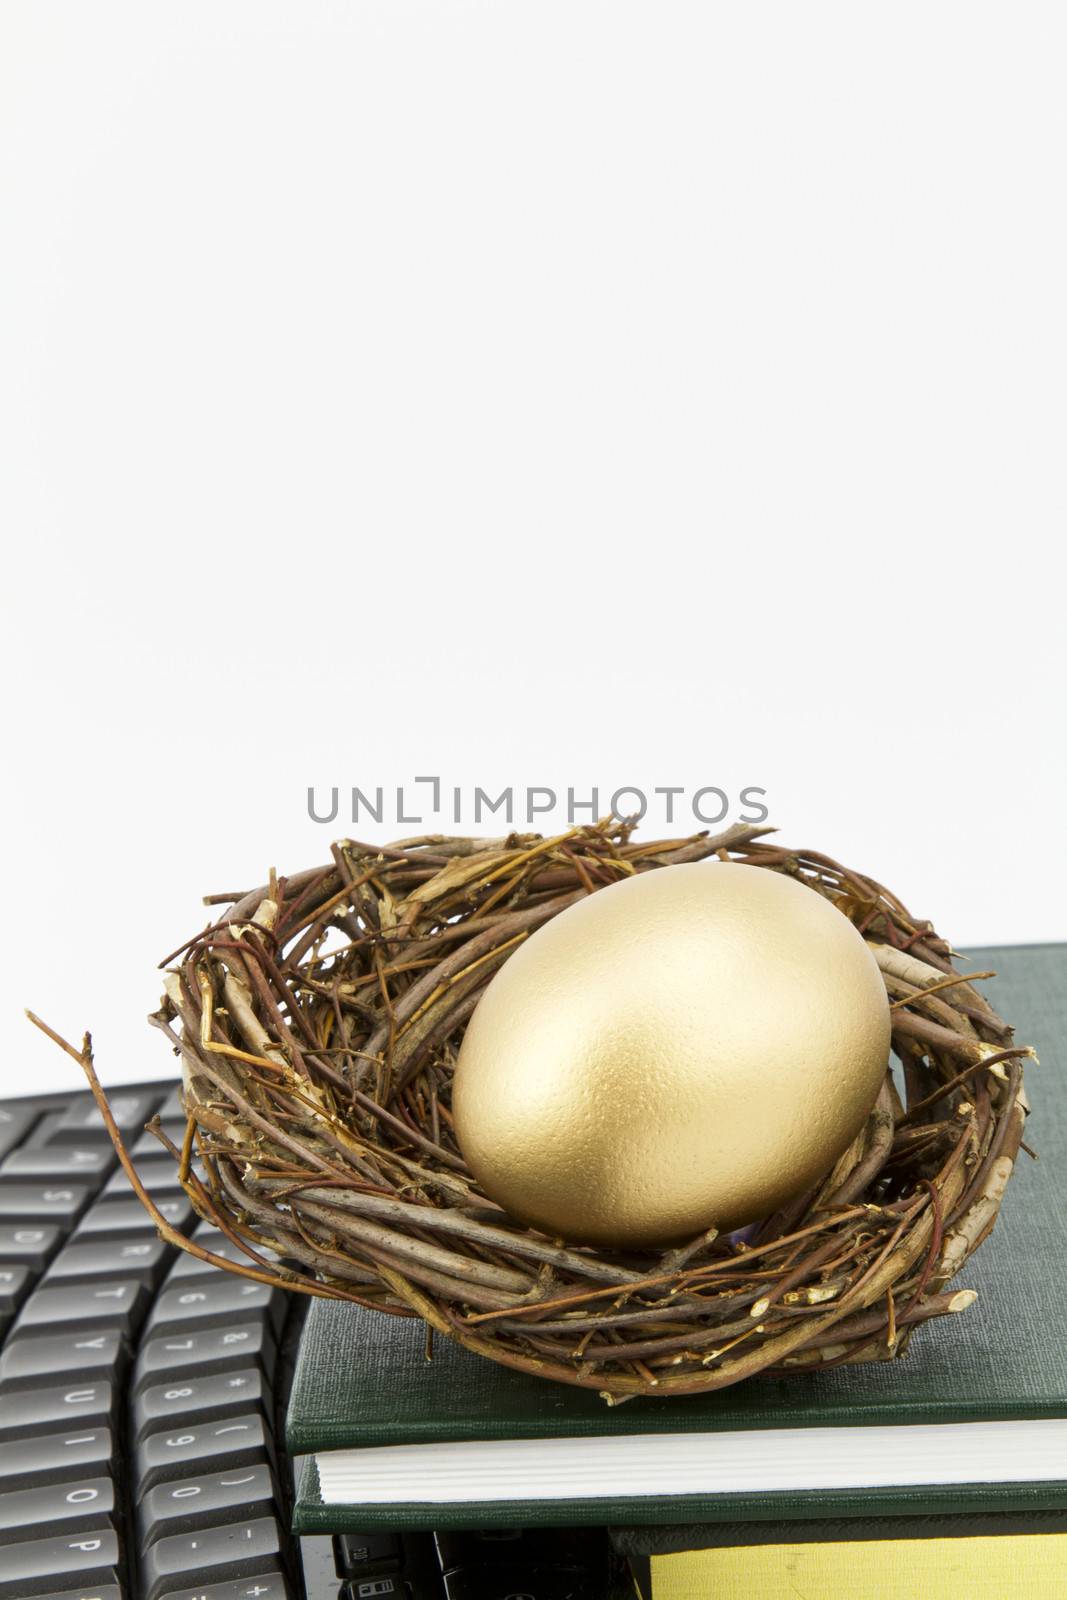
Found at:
<point>688,1048</point>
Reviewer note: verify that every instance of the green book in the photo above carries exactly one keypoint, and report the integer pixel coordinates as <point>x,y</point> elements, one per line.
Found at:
<point>972,1420</point>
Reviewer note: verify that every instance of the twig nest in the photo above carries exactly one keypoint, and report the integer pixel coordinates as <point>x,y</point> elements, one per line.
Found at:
<point>319,1019</point>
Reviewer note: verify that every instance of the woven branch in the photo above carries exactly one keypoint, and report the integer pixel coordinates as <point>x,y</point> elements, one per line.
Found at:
<point>318,1020</point>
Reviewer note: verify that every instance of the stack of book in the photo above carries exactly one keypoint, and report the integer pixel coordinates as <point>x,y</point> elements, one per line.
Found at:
<point>944,1473</point>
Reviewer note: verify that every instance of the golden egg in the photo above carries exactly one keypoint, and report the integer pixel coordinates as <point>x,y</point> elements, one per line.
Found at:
<point>688,1048</point>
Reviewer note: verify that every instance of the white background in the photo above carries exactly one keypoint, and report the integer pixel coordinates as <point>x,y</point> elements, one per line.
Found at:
<point>531,393</point>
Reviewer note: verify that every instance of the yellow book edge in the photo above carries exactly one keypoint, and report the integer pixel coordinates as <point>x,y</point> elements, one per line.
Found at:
<point>985,1567</point>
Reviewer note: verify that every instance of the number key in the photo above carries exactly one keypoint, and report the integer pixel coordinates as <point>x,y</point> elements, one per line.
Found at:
<point>14,1125</point>
<point>127,1218</point>
<point>91,1164</point>
<point>180,1452</point>
<point>213,1239</point>
<point>197,1399</point>
<point>216,1349</point>
<point>81,1122</point>
<point>43,1202</point>
<point>178,1507</point>
<point>159,1175</point>
<point>149,1145</point>
<point>143,1259</point>
<point>227,1298</point>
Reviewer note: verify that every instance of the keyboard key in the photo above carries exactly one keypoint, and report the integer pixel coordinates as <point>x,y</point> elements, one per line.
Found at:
<point>34,1568</point>
<point>172,1109</point>
<point>359,1555</point>
<point>52,1457</point>
<point>108,1591</point>
<point>225,1298</point>
<point>111,1304</point>
<point>14,1286</point>
<point>148,1144</point>
<point>187,1399</point>
<point>14,1126</point>
<point>183,1452</point>
<point>263,1584</point>
<point>90,1165</point>
<point>91,1355</point>
<point>71,1406</point>
<point>81,1122</point>
<point>96,1591</point>
<point>210,1553</point>
<point>43,1130</point>
<point>127,1218</point>
<point>172,1508</point>
<point>87,1502</point>
<point>143,1259</point>
<point>61,1203</point>
<point>206,1350</point>
<point>390,1586</point>
<point>159,1175</point>
<point>32,1246</point>
<point>213,1239</point>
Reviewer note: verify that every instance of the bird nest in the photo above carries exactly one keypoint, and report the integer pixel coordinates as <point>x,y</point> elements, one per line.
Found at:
<point>318,1020</point>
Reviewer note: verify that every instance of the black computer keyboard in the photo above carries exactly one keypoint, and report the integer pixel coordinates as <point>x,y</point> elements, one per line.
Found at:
<point>142,1403</point>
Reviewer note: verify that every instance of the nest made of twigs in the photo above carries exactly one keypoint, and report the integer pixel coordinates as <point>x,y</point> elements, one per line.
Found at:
<point>318,1021</point>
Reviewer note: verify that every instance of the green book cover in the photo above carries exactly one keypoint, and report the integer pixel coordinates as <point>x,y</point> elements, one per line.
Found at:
<point>362,1379</point>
